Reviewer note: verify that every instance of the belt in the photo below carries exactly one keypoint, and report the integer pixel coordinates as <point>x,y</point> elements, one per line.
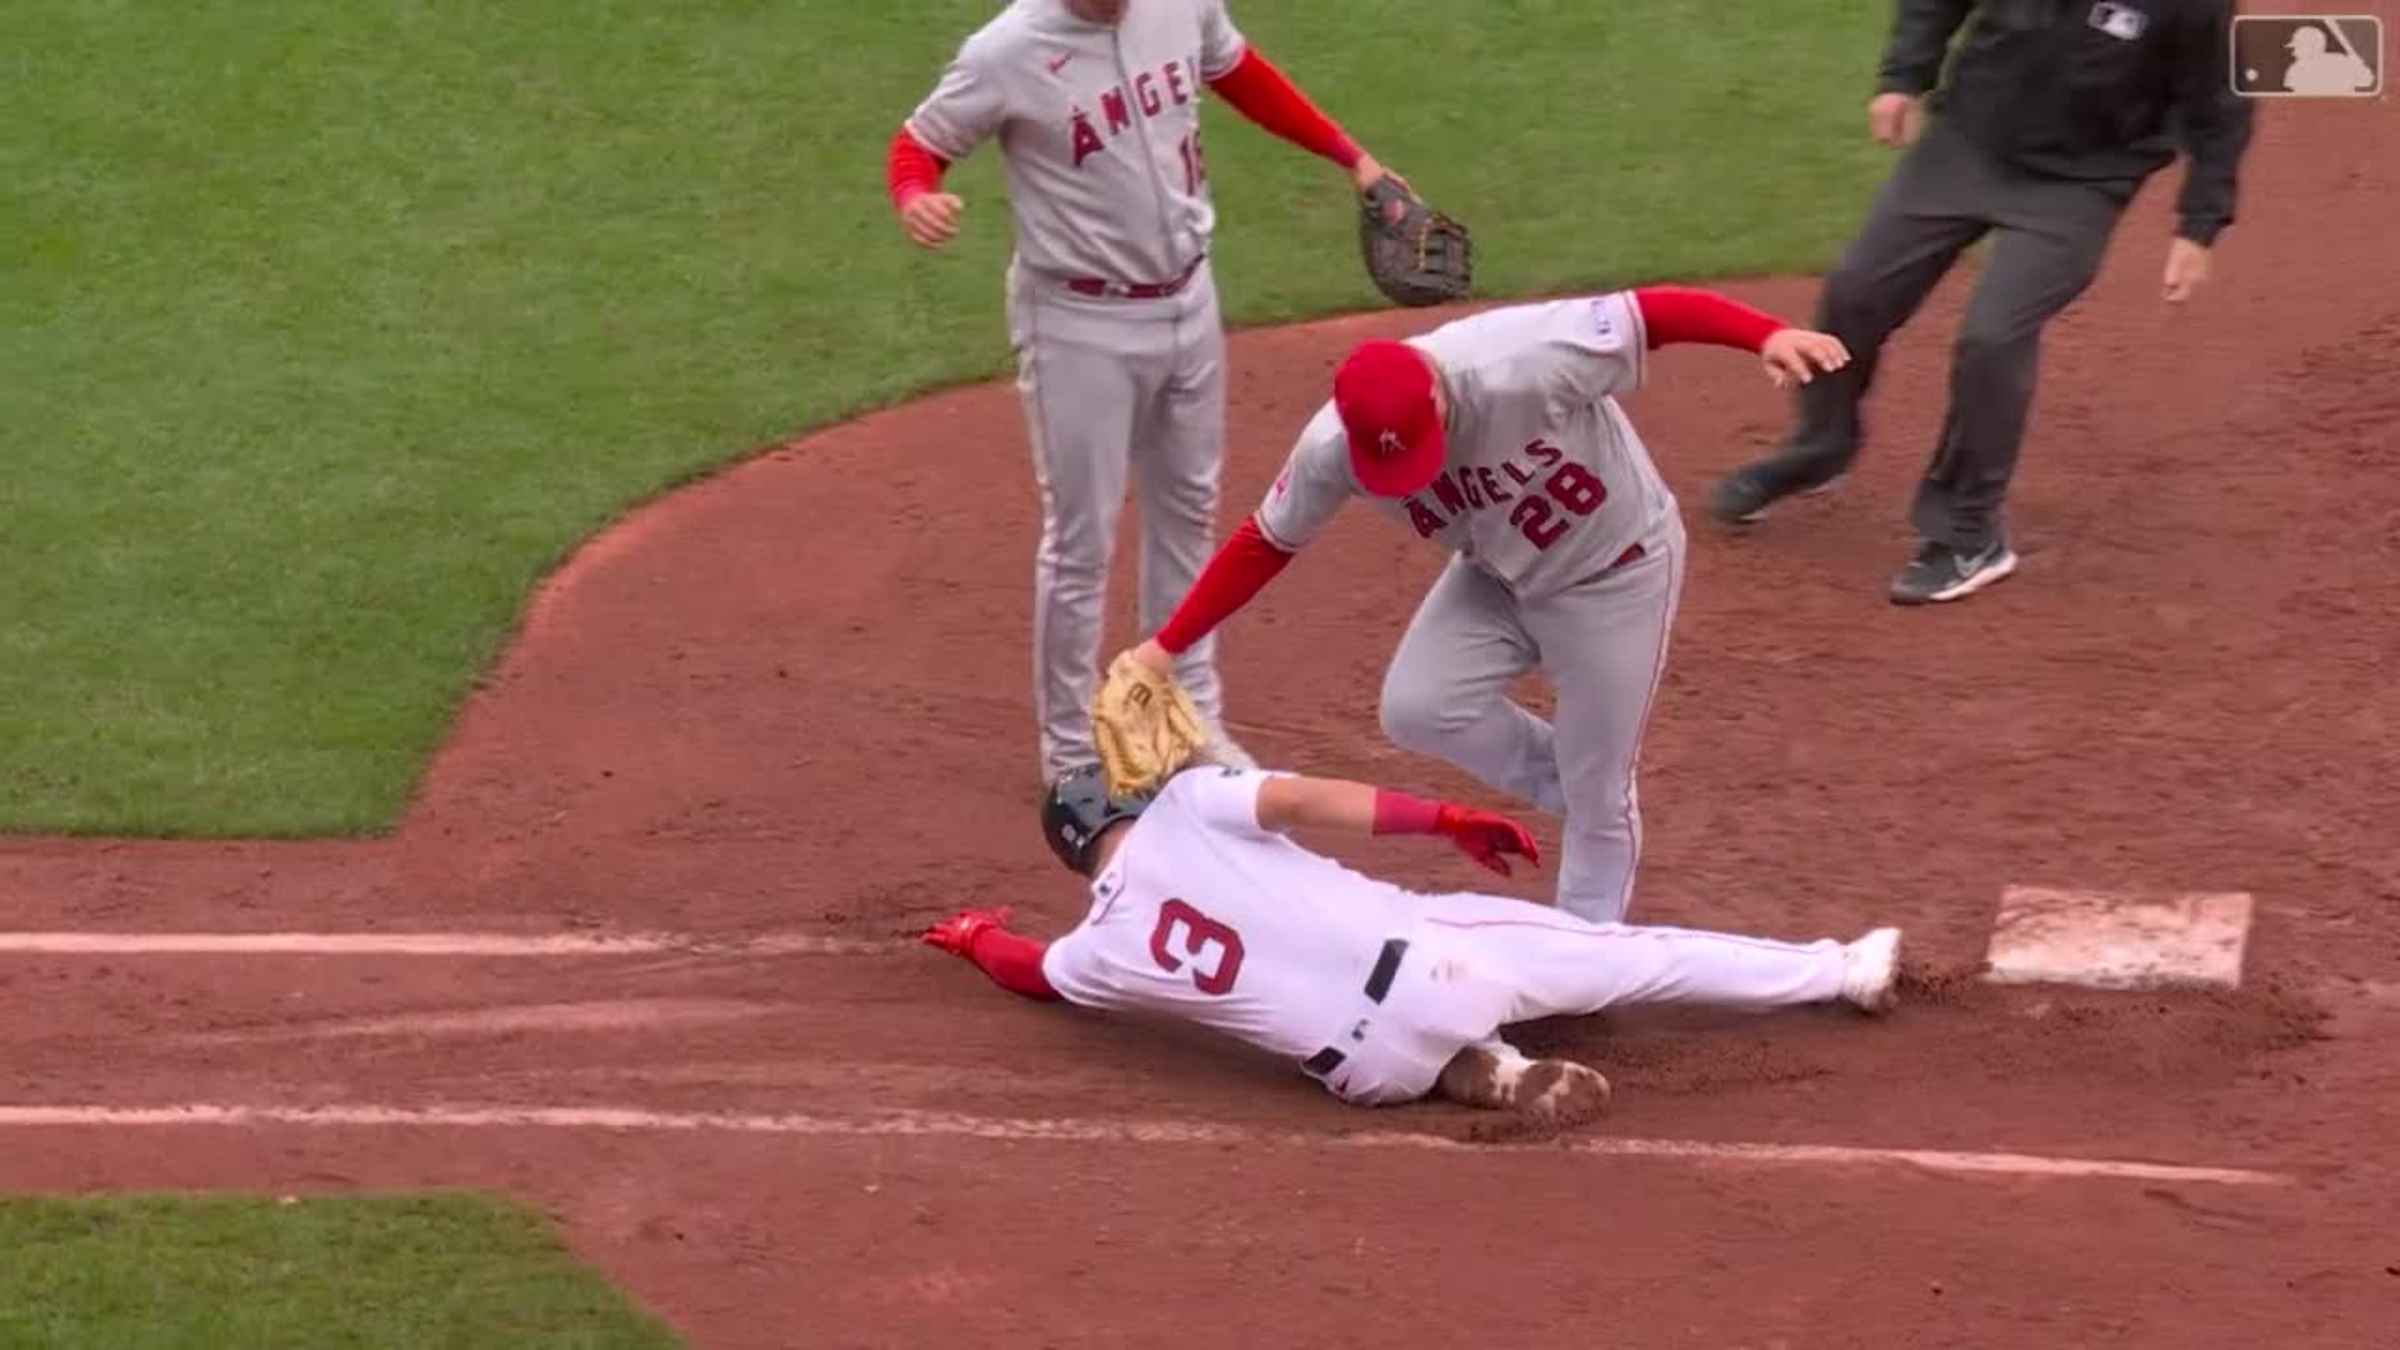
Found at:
<point>1379,983</point>
<point>1136,290</point>
<point>1626,559</point>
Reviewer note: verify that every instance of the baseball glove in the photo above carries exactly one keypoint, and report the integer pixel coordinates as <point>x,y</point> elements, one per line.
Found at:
<point>1144,725</point>
<point>1415,254</point>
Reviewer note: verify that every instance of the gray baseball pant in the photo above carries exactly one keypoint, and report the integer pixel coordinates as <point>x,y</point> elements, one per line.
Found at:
<point>1112,386</point>
<point>1603,643</point>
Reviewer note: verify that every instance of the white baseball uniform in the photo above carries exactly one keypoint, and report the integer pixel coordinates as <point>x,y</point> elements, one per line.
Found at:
<point>1111,310</point>
<point>1568,552</point>
<point>1205,916</point>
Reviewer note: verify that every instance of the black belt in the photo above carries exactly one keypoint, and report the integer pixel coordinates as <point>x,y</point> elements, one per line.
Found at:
<point>1379,983</point>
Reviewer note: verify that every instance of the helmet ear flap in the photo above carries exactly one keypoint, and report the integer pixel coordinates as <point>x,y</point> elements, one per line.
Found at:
<point>1063,831</point>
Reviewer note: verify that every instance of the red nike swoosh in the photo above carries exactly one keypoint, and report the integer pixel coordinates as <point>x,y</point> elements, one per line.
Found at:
<point>1061,63</point>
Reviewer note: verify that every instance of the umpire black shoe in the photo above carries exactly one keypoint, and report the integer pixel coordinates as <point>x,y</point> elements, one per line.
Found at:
<point>1941,572</point>
<point>1743,496</point>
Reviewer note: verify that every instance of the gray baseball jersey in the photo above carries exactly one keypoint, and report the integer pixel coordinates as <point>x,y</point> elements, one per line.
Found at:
<point>1100,129</point>
<point>1567,554</point>
<point>1546,482</point>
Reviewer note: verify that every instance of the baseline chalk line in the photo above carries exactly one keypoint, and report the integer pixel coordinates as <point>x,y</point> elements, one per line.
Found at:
<point>943,1124</point>
<point>437,944</point>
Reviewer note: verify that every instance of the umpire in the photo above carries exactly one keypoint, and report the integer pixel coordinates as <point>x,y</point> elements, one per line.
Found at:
<point>2052,115</point>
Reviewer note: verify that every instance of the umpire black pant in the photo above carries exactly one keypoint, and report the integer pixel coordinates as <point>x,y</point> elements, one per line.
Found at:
<point>1947,193</point>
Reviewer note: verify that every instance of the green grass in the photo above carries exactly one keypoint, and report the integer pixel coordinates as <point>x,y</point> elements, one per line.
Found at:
<point>411,1272</point>
<point>326,329</point>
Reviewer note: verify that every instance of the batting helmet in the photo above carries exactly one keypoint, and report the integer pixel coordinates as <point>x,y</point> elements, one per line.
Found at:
<point>1078,809</point>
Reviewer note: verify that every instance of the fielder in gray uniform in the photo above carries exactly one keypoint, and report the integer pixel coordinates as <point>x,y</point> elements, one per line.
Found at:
<point>1499,438</point>
<point>1111,308</point>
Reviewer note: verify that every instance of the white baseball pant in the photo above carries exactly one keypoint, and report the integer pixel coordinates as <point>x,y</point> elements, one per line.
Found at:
<point>1476,963</point>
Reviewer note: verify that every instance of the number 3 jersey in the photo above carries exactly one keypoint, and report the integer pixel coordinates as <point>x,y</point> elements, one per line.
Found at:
<point>1546,482</point>
<point>1205,917</point>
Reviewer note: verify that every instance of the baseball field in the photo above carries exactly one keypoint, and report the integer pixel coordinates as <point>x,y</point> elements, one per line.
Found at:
<point>518,589</point>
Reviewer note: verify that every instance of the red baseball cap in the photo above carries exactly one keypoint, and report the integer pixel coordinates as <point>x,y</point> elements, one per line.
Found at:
<point>1384,393</point>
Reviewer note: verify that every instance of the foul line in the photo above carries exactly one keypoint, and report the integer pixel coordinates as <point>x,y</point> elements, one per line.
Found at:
<point>435,944</point>
<point>929,1123</point>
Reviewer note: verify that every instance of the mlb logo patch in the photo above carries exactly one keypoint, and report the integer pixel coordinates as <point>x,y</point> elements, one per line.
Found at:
<point>2122,22</point>
<point>2307,56</point>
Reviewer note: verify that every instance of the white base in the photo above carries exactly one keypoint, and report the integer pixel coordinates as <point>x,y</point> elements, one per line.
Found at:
<point>2119,942</point>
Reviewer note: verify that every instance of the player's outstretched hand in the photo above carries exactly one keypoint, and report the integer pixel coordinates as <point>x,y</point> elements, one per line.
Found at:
<point>956,934</point>
<point>1795,356</point>
<point>1153,657</point>
<point>1487,836</point>
<point>1369,171</point>
<point>931,218</point>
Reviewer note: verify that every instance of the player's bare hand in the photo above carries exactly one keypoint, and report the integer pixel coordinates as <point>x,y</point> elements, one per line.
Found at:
<point>2187,268</point>
<point>931,218</point>
<point>1487,836</point>
<point>1895,119</point>
<point>1368,172</point>
<point>1154,657</point>
<point>956,934</point>
<point>1795,356</point>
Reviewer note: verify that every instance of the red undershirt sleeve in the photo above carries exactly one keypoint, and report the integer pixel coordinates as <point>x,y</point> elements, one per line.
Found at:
<point>1689,314</point>
<point>1262,93</point>
<point>1246,563</point>
<point>1014,962</point>
<point>1400,813</point>
<point>910,169</point>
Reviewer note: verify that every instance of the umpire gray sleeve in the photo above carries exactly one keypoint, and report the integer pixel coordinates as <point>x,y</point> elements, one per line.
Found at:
<point>1921,33</point>
<point>2212,122</point>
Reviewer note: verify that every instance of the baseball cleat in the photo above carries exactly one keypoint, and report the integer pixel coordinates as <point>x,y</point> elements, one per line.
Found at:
<point>1548,1089</point>
<point>1561,1090</point>
<point>1743,496</point>
<point>1051,777</point>
<point>1941,572</point>
<point>1871,970</point>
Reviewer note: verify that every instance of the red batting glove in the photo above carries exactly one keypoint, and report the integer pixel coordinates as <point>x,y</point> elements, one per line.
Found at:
<point>956,934</point>
<point>1485,836</point>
